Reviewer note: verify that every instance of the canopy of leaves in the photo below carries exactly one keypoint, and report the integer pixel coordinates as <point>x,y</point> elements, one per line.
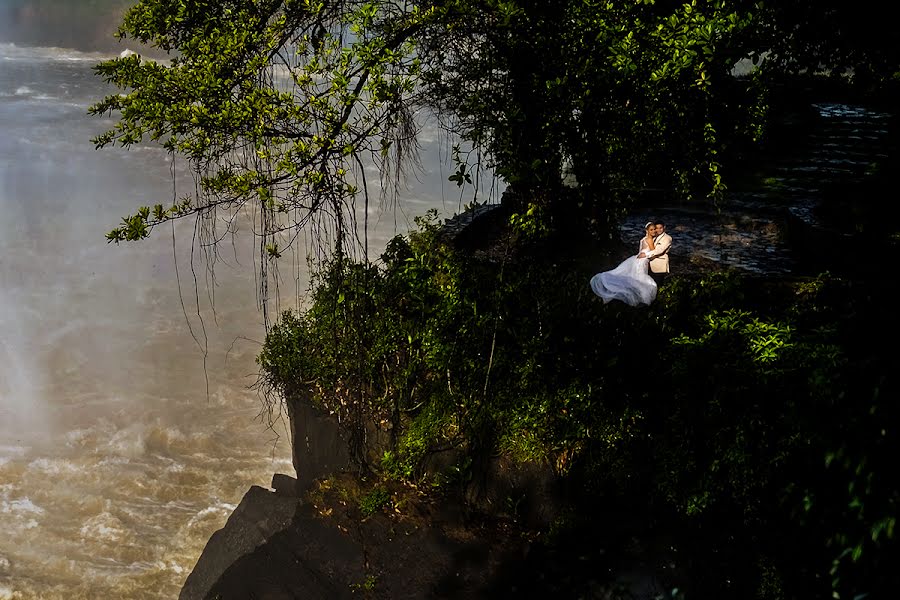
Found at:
<point>275,103</point>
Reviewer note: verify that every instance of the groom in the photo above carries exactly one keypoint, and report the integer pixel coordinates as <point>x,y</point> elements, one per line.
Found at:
<point>659,256</point>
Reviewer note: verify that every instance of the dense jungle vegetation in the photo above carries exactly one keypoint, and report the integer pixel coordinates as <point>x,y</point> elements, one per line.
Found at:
<point>750,419</point>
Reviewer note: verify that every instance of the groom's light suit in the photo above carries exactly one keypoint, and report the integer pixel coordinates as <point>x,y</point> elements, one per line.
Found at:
<point>659,256</point>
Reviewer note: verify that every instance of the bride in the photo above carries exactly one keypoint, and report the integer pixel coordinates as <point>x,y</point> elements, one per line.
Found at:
<point>629,282</point>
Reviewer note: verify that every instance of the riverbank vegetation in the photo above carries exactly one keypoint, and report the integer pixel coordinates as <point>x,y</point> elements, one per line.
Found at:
<point>749,421</point>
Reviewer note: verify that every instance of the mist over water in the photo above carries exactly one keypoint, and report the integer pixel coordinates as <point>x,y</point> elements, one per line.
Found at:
<point>122,447</point>
<point>77,24</point>
<point>115,467</point>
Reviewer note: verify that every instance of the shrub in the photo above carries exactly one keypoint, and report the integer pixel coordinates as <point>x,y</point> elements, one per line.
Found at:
<point>753,415</point>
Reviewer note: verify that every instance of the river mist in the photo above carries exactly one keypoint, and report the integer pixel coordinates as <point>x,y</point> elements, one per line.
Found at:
<point>126,435</point>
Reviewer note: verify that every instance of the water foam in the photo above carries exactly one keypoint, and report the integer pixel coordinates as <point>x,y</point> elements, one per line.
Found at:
<point>14,52</point>
<point>54,466</point>
<point>103,527</point>
<point>22,506</point>
<point>54,54</point>
<point>8,594</point>
<point>211,512</point>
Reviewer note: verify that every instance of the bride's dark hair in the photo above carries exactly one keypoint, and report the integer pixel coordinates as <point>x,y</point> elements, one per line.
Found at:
<point>648,224</point>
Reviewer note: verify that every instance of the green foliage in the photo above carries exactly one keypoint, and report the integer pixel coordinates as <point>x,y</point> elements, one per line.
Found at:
<point>377,339</point>
<point>275,102</point>
<point>531,223</point>
<point>392,466</point>
<point>617,90</point>
<point>269,101</point>
<point>374,501</point>
<point>751,413</point>
<point>368,585</point>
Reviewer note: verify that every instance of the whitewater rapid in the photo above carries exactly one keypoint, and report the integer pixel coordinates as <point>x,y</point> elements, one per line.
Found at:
<point>116,465</point>
<point>123,446</point>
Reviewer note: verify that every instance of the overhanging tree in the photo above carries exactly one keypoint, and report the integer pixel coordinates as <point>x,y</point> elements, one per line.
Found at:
<point>276,103</point>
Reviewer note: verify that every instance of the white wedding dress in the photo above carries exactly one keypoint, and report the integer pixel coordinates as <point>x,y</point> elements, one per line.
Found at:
<point>629,282</point>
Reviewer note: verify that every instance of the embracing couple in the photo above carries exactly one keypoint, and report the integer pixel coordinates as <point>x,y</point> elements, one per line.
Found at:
<point>634,280</point>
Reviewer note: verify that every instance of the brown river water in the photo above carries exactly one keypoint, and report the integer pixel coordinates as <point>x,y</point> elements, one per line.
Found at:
<point>122,446</point>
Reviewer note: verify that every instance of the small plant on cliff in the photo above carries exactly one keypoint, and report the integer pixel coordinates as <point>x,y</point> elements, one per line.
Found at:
<point>368,584</point>
<point>374,501</point>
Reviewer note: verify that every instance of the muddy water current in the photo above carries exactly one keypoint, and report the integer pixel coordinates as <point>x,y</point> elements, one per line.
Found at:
<point>123,444</point>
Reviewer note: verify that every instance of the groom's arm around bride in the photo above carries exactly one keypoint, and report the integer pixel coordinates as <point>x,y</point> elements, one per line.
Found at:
<point>659,256</point>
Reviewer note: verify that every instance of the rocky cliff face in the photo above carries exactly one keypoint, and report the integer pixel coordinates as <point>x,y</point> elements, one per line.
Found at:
<point>281,547</point>
<point>261,515</point>
<point>309,538</point>
<point>321,536</point>
<point>275,547</point>
<point>319,445</point>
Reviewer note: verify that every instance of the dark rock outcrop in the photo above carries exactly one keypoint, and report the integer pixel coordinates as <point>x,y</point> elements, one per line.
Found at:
<point>319,445</point>
<point>328,548</point>
<point>260,515</point>
<point>303,550</point>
